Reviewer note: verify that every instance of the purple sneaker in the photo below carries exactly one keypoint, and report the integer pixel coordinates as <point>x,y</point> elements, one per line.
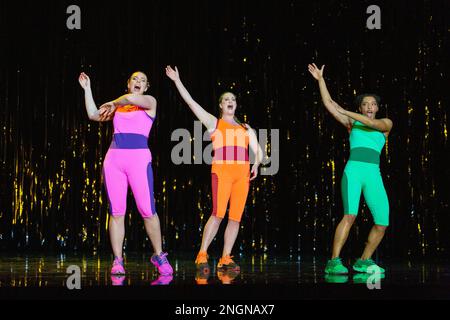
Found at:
<point>162,280</point>
<point>117,267</point>
<point>117,280</point>
<point>163,265</point>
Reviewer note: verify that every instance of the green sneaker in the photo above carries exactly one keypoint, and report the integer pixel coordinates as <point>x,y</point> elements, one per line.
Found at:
<point>335,266</point>
<point>367,266</point>
<point>362,278</point>
<point>336,278</point>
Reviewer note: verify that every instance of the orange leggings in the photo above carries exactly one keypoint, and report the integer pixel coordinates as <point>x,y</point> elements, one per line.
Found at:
<point>230,182</point>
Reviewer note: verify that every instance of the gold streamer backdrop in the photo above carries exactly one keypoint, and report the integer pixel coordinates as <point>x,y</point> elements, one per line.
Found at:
<point>51,154</point>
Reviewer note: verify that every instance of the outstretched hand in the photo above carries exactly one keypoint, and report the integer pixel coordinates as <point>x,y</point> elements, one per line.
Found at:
<point>84,81</point>
<point>316,72</point>
<point>172,74</point>
<point>106,110</point>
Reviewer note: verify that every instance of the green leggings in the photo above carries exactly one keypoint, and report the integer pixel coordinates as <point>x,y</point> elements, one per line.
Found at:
<point>366,177</point>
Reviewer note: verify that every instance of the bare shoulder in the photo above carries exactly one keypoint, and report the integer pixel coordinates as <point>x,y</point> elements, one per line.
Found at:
<point>151,99</point>
<point>388,121</point>
<point>247,126</point>
<point>388,124</point>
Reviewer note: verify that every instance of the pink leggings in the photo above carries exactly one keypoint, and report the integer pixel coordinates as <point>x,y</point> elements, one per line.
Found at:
<point>123,167</point>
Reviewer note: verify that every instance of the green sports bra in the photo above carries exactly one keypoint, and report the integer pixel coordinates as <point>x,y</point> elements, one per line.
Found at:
<point>366,143</point>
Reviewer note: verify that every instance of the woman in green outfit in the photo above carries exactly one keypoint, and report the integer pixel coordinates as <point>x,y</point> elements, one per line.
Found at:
<point>361,174</point>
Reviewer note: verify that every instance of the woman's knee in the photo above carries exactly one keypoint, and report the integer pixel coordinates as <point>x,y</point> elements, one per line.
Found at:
<point>117,218</point>
<point>151,218</point>
<point>380,228</point>
<point>349,219</point>
<point>216,220</point>
<point>234,223</point>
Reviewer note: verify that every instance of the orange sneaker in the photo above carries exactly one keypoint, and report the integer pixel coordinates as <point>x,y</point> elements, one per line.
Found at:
<point>201,262</point>
<point>227,276</point>
<point>202,277</point>
<point>228,263</point>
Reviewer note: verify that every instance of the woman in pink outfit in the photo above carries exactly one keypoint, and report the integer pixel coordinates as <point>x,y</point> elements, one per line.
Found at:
<point>128,162</point>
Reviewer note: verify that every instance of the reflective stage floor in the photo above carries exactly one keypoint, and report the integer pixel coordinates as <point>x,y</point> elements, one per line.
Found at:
<point>261,277</point>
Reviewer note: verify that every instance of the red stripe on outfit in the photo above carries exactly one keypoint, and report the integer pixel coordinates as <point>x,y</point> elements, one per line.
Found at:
<point>231,153</point>
<point>215,198</point>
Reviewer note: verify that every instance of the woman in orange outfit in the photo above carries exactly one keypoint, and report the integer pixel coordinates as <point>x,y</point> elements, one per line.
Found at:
<point>230,172</point>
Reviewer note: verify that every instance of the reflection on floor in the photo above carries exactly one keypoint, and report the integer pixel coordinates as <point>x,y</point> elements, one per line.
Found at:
<point>257,271</point>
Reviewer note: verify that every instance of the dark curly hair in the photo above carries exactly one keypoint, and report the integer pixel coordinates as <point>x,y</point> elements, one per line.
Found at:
<point>359,99</point>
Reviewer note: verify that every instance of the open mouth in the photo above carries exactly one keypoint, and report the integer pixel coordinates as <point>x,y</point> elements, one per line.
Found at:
<point>137,88</point>
<point>230,107</point>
